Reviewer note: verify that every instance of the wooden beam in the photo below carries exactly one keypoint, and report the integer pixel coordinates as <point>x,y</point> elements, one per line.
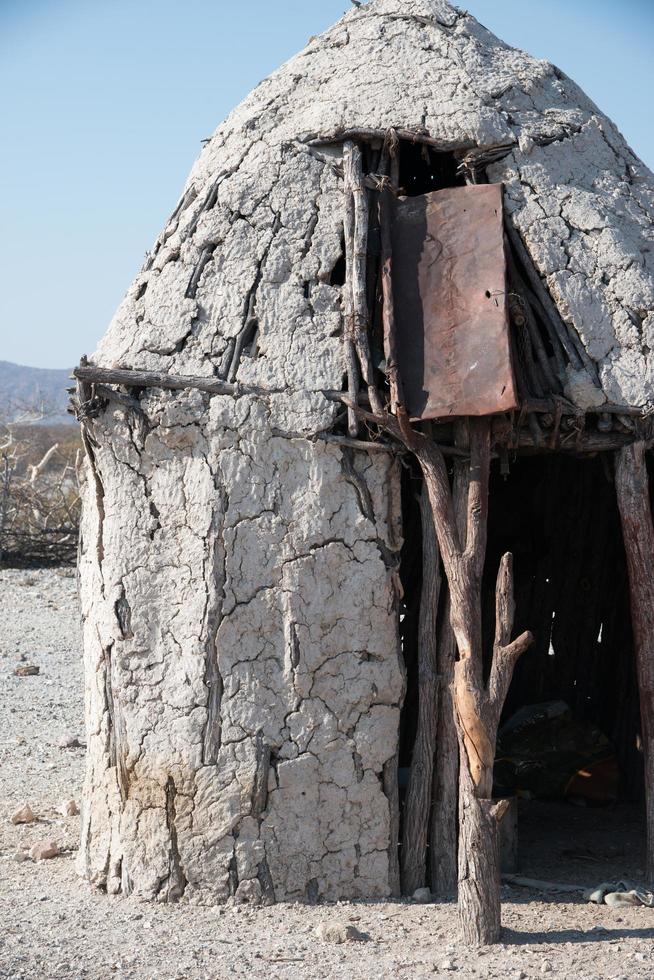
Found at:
<point>504,434</point>
<point>477,707</point>
<point>356,244</point>
<point>632,489</point>
<point>444,847</point>
<point>410,136</point>
<point>388,309</point>
<point>351,364</point>
<point>478,710</point>
<point>90,373</point>
<point>417,806</point>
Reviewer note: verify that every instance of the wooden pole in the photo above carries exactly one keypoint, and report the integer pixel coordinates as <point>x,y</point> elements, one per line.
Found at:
<point>418,799</point>
<point>357,261</point>
<point>477,706</point>
<point>444,843</point>
<point>390,341</point>
<point>632,489</point>
<point>478,709</point>
<point>351,364</point>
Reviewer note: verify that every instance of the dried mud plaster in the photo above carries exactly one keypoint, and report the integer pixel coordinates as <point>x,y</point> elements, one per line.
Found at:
<point>243,672</point>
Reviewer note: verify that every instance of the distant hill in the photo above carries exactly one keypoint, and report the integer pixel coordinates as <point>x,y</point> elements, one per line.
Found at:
<point>34,389</point>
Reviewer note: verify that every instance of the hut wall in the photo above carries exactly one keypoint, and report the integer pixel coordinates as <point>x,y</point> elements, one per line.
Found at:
<point>243,679</point>
<point>243,676</point>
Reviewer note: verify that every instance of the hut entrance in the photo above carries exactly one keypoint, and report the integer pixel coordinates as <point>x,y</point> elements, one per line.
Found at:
<point>569,745</point>
<point>568,742</point>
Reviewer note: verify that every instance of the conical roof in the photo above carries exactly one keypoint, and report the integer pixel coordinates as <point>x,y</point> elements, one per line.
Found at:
<point>245,264</point>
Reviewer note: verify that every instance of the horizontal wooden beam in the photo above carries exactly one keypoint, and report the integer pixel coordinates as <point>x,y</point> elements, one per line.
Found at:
<point>92,374</point>
<point>573,442</point>
<point>547,406</point>
<point>380,134</point>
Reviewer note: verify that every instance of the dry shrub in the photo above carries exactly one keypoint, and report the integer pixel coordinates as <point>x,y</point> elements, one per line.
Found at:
<point>39,496</point>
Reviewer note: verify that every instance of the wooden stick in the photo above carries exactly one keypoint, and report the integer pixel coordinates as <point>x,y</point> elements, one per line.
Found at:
<point>348,297</point>
<point>390,339</point>
<point>505,434</point>
<point>525,295</point>
<point>81,374</point>
<point>390,425</point>
<point>551,381</point>
<point>503,431</point>
<point>380,134</point>
<point>357,259</point>
<point>154,379</point>
<point>445,822</point>
<point>556,426</point>
<point>366,446</point>
<point>477,513</point>
<point>544,298</point>
<point>545,406</point>
<point>393,142</point>
<point>418,799</point>
<point>478,711</point>
<point>535,429</point>
<point>632,489</point>
<point>505,651</point>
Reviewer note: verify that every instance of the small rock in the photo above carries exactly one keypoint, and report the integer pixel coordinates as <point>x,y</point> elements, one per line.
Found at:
<point>249,890</point>
<point>68,741</point>
<point>447,965</point>
<point>68,808</point>
<point>44,850</point>
<point>338,932</point>
<point>20,856</point>
<point>24,814</point>
<point>422,895</point>
<point>520,975</point>
<point>546,966</point>
<point>27,670</point>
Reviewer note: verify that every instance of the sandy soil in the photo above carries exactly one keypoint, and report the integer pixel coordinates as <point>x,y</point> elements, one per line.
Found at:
<point>53,925</point>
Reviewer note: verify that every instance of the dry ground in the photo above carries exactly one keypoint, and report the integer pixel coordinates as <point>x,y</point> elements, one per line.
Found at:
<point>53,925</point>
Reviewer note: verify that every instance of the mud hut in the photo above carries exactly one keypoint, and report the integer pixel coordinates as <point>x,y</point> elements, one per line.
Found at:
<point>412,272</point>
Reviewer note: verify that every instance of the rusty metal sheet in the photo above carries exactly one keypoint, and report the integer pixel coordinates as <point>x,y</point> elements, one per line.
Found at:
<point>451,313</point>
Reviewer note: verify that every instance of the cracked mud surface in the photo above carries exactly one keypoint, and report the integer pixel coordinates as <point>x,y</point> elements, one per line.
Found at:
<point>243,705</point>
<point>55,925</point>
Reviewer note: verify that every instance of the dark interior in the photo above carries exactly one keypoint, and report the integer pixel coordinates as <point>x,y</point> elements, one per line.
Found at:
<point>423,170</point>
<point>558,516</point>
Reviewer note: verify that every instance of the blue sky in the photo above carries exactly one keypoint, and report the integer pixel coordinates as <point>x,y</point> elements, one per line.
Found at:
<point>104,104</point>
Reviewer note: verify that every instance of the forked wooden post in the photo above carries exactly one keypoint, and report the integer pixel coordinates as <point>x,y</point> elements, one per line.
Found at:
<point>632,489</point>
<point>477,705</point>
<point>478,709</point>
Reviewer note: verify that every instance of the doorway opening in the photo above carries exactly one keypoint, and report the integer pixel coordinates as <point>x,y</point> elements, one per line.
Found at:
<point>569,744</point>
